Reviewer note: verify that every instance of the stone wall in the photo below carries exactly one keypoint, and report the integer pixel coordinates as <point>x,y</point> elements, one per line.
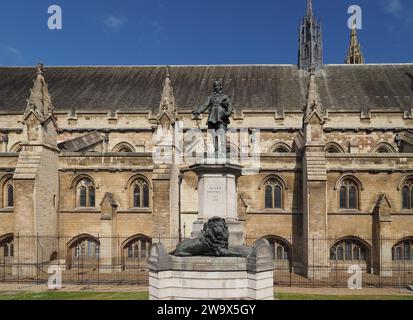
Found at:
<point>357,137</point>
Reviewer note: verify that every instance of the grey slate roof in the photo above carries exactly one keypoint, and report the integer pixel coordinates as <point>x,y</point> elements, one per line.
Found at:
<point>81,143</point>
<point>252,87</point>
<point>359,87</point>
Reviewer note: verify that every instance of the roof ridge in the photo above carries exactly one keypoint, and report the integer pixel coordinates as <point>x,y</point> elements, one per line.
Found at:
<point>371,64</point>
<point>156,66</point>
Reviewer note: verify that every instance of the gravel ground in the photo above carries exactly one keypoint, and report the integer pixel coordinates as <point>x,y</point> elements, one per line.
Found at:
<point>344,291</point>
<point>70,288</point>
<point>109,288</point>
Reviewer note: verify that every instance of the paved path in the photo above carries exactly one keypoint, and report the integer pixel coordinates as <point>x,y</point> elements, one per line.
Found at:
<point>344,291</point>
<point>124,288</point>
<point>70,288</point>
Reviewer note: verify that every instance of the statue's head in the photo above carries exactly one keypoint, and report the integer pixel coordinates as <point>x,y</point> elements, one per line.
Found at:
<point>218,87</point>
<point>216,230</point>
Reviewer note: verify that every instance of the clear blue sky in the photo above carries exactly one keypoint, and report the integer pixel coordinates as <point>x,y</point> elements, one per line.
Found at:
<point>152,32</point>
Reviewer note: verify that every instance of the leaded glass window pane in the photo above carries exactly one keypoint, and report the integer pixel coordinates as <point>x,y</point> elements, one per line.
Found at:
<point>405,195</point>
<point>10,196</point>
<point>353,198</point>
<point>268,197</point>
<point>343,197</point>
<point>277,197</point>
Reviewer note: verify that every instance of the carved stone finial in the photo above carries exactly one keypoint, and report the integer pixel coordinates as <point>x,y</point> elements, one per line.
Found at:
<point>312,69</point>
<point>39,101</point>
<point>40,68</point>
<point>167,104</point>
<point>314,105</point>
<point>309,7</point>
<point>168,72</point>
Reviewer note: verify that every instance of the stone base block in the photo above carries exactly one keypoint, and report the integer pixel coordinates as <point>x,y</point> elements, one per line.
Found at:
<point>210,285</point>
<point>212,278</point>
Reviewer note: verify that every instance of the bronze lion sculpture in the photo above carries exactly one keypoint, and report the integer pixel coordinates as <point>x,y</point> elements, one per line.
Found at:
<point>212,241</point>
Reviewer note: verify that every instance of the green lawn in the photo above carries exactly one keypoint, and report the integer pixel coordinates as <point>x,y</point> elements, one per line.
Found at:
<point>59,295</point>
<point>297,296</point>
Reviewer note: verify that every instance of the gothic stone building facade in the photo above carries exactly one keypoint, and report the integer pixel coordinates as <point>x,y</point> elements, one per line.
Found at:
<point>336,164</point>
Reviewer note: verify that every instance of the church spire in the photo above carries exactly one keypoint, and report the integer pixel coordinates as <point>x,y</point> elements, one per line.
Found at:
<point>310,53</point>
<point>167,108</point>
<point>167,98</point>
<point>309,7</point>
<point>354,53</point>
<point>40,101</point>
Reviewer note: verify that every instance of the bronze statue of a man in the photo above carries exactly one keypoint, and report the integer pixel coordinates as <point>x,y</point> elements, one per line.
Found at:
<point>220,110</point>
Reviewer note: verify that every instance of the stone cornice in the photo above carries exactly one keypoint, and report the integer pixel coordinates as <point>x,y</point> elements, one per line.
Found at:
<point>9,130</point>
<point>279,170</point>
<point>135,211</point>
<point>272,212</point>
<point>370,171</point>
<point>361,129</point>
<point>106,169</point>
<point>9,155</point>
<point>350,213</point>
<point>106,154</point>
<point>82,210</point>
<point>369,155</point>
<point>105,130</point>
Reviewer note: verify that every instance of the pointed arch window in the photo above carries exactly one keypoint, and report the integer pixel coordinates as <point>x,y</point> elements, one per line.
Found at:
<point>306,51</point>
<point>281,150</point>
<point>8,194</point>
<point>85,248</point>
<point>349,250</point>
<point>349,195</point>
<point>407,195</point>
<point>383,150</point>
<point>86,193</point>
<point>7,247</point>
<point>140,190</point>
<point>138,248</point>
<point>280,248</point>
<point>125,149</point>
<point>403,251</point>
<point>273,195</point>
<point>316,51</point>
<point>332,149</point>
<point>384,147</point>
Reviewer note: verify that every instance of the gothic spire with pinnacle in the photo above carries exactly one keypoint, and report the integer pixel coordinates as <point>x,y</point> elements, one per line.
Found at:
<point>310,54</point>
<point>168,99</point>
<point>314,105</point>
<point>354,53</point>
<point>167,105</point>
<point>40,101</point>
<point>309,7</point>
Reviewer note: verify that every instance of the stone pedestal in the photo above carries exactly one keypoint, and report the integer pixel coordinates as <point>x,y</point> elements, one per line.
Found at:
<point>217,197</point>
<point>212,278</point>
